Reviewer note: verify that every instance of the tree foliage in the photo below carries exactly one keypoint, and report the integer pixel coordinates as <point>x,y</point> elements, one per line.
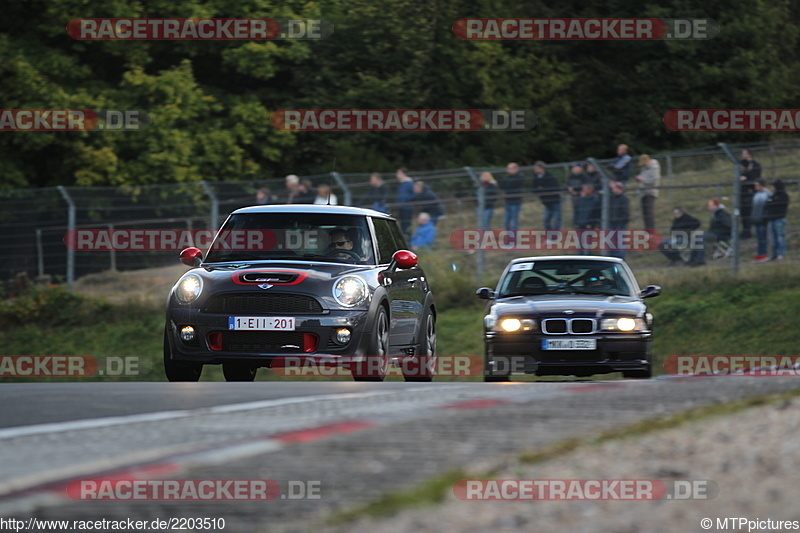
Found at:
<point>210,102</point>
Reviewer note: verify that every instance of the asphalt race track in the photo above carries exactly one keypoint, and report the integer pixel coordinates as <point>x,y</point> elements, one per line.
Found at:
<point>353,441</point>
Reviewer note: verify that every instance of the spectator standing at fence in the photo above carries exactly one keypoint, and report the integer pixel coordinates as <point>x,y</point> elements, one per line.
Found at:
<point>490,191</point>
<point>405,195</point>
<point>306,194</point>
<point>776,214</point>
<point>376,195</point>
<point>512,188</point>
<point>593,176</point>
<point>325,196</point>
<point>428,201</point>
<point>649,179</point>
<point>760,220</point>
<point>619,214</point>
<point>588,215</point>
<point>574,185</point>
<point>264,196</point>
<point>546,186</point>
<point>425,235</point>
<point>680,235</point>
<point>719,230</point>
<point>751,171</point>
<point>621,166</point>
<point>292,186</point>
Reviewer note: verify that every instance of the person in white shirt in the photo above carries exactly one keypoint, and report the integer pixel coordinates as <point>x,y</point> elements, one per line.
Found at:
<point>324,194</point>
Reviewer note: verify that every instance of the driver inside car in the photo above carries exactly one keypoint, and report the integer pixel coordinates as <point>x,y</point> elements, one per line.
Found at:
<point>342,246</point>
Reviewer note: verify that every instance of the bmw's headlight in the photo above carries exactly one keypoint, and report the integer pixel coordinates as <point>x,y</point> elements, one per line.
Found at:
<point>189,288</point>
<point>350,291</point>
<point>510,325</point>
<point>623,324</point>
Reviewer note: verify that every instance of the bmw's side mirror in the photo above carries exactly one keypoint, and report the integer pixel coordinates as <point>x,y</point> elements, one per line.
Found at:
<point>485,293</point>
<point>191,257</point>
<point>650,291</point>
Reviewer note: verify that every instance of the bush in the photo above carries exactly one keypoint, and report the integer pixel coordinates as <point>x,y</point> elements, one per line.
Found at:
<point>50,306</point>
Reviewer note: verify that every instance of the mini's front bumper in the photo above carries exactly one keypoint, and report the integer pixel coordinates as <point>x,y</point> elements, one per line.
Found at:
<point>312,338</point>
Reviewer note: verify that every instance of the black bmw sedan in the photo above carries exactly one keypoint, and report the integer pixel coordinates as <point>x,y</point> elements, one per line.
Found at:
<point>331,285</point>
<point>567,315</point>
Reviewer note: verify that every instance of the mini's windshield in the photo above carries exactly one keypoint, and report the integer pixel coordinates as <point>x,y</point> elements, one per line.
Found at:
<point>295,236</point>
<point>566,277</point>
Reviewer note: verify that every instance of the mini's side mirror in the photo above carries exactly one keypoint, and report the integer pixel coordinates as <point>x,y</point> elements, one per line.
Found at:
<point>485,293</point>
<point>404,259</point>
<point>191,257</point>
<point>650,291</point>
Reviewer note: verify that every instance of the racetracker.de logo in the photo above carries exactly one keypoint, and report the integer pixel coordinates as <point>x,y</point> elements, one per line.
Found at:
<point>404,119</point>
<point>212,29</point>
<point>735,365</point>
<point>586,29</point>
<point>584,489</point>
<point>555,240</point>
<point>165,240</point>
<point>732,119</point>
<point>72,120</point>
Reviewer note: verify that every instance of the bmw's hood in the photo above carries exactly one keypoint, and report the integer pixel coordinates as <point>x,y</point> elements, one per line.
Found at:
<point>580,305</point>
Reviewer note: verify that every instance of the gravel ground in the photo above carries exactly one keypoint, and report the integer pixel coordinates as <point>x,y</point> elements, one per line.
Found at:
<point>752,455</point>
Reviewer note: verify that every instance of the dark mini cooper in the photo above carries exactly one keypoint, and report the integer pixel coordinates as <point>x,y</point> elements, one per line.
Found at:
<point>567,315</point>
<point>324,284</point>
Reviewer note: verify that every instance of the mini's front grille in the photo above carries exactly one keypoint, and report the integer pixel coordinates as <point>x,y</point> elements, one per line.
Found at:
<point>263,304</point>
<point>563,326</point>
<point>262,341</point>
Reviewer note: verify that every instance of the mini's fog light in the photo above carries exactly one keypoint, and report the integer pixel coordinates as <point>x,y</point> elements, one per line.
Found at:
<point>187,333</point>
<point>342,335</point>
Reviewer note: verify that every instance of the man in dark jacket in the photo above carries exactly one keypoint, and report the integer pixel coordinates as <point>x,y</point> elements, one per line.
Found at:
<point>430,201</point>
<point>546,186</point>
<point>719,230</point>
<point>680,235</point>
<point>588,212</point>
<point>621,166</point>
<point>619,213</point>
<point>751,172</point>
<point>405,194</point>
<point>574,185</point>
<point>376,195</point>
<point>776,214</point>
<point>512,187</point>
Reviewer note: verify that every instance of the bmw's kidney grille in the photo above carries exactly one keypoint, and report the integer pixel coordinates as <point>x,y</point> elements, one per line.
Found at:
<point>581,326</point>
<point>563,326</point>
<point>263,304</point>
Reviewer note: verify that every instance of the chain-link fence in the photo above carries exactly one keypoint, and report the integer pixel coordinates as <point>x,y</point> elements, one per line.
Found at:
<point>34,222</point>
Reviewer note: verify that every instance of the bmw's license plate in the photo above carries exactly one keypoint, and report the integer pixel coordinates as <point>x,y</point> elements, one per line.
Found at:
<point>261,323</point>
<point>569,344</point>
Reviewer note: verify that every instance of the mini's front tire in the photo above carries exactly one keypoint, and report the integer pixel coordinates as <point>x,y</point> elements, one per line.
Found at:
<point>179,370</point>
<point>239,372</point>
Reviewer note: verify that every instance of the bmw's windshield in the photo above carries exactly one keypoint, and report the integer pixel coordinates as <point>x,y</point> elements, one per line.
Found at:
<point>566,277</point>
<point>295,236</point>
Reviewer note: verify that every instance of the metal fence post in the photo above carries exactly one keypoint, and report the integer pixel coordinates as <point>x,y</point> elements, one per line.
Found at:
<point>113,253</point>
<point>71,229</point>
<point>348,196</point>
<point>606,200</point>
<point>737,203</point>
<point>214,219</point>
<point>479,260</point>
<point>669,180</point>
<point>39,252</point>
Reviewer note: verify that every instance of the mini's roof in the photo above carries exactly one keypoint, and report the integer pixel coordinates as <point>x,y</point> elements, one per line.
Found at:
<point>311,208</point>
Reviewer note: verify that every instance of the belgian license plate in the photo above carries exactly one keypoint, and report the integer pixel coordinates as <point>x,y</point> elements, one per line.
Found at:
<point>569,344</point>
<point>261,323</point>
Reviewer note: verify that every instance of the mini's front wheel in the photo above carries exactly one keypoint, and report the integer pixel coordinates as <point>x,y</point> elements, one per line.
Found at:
<point>239,372</point>
<point>179,370</point>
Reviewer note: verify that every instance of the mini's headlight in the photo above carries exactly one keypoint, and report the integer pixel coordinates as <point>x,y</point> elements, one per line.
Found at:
<point>189,288</point>
<point>624,324</point>
<point>350,291</point>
